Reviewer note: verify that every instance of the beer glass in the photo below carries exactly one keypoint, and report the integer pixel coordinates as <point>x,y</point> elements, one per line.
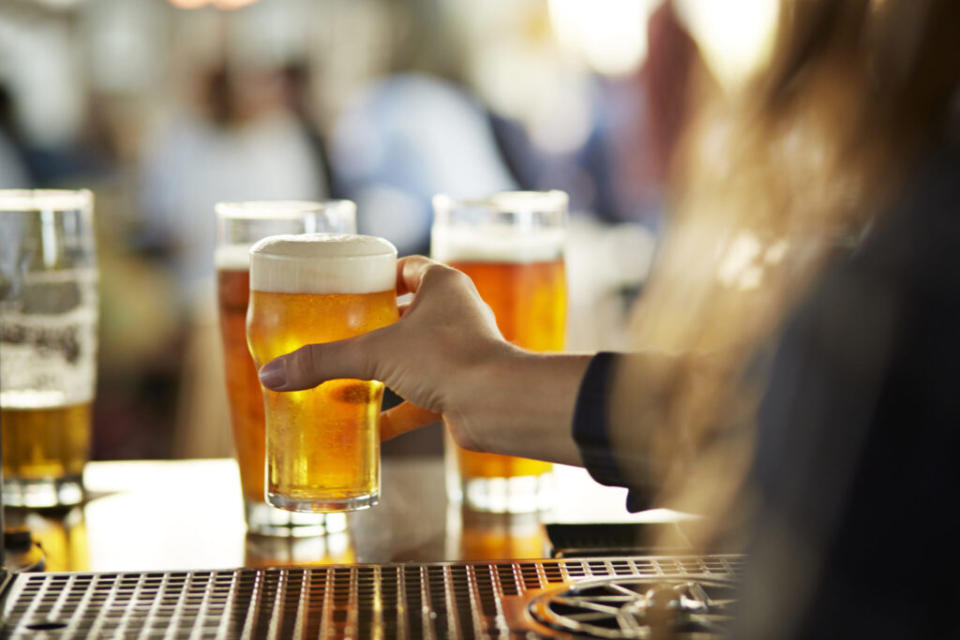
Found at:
<point>48,344</point>
<point>323,444</point>
<point>239,226</point>
<point>511,245</point>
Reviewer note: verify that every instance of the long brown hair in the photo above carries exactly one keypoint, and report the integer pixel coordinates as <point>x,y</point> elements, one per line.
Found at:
<point>768,181</point>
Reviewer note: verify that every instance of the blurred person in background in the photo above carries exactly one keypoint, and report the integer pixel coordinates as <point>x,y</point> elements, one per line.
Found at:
<point>406,138</point>
<point>239,140</point>
<point>26,164</point>
<point>416,131</point>
<point>296,78</point>
<point>793,376</point>
<point>59,128</point>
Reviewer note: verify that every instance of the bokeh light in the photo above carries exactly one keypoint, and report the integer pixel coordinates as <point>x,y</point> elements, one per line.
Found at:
<point>611,35</point>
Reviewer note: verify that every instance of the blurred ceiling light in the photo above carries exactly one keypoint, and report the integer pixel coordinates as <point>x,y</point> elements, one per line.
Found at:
<point>611,35</point>
<point>219,4</point>
<point>735,37</point>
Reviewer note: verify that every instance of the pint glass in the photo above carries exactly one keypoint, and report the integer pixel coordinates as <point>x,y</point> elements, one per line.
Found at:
<point>511,245</point>
<point>323,444</point>
<point>239,226</point>
<point>48,344</point>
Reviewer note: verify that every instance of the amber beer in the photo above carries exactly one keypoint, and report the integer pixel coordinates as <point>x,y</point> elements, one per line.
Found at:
<point>243,386</point>
<point>322,444</point>
<point>48,442</point>
<point>512,248</point>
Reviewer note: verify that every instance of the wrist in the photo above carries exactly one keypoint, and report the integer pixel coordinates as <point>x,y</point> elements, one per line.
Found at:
<point>481,388</point>
<point>522,403</point>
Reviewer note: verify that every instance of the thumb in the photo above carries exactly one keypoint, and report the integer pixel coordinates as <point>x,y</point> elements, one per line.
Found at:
<point>313,364</point>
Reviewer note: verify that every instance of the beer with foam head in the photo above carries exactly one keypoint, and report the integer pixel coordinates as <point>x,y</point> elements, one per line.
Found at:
<point>322,444</point>
<point>511,246</point>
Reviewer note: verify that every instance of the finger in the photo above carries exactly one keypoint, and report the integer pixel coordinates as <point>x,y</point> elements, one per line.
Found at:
<point>410,273</point>
<point>313,364</point>
<point>403,418</point>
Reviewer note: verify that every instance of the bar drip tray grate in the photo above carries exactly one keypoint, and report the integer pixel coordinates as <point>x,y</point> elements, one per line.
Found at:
<point>634,607</point>
<point>467,600</point>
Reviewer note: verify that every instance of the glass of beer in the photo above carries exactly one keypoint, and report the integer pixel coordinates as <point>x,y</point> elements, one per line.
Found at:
<point>48,344</point>
<point>239,226</point>
<point>511,245</point>
<point>323,444</point>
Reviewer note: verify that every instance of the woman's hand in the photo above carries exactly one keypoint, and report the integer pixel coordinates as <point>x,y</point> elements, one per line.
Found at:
<point>446,356</point>
<point>442,335</point>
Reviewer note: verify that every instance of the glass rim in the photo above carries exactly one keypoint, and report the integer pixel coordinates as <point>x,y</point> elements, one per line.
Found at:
<point>281,209</point>
<point>45,199</point>
<point>551,201</point>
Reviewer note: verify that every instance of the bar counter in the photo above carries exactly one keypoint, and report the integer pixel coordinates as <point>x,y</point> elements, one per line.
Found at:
<point>187,515</point>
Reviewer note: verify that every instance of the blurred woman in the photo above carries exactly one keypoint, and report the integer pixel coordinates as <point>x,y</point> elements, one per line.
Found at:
<point>795,360</point>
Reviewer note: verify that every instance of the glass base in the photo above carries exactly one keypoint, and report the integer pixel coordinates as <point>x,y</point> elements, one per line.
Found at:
<point>48,492</point>
<point>332,548</point>
<point>264,520</point>
<point>323,506</point>
<point>520,494</point>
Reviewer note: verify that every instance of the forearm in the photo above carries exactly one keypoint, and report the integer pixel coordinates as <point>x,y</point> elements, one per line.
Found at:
<point>522,403</point>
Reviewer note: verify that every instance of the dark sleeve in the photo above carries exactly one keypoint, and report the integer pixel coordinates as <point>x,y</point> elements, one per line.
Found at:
<point>591,431</point>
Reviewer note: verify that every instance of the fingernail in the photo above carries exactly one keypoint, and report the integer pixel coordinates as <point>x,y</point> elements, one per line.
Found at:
<point>272,374</point>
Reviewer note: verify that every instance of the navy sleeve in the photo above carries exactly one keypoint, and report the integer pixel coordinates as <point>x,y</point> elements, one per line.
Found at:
<point>591,430</point>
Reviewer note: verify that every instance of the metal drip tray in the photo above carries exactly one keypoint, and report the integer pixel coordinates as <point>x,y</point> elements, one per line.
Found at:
<point>465,600</point>
<point>638,607</point>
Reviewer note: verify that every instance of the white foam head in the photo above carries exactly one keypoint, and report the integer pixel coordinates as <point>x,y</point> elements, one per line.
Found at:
<point>233,257</point>
<point>323,263</point>
<point>495,243</point>
<point>513,226</point>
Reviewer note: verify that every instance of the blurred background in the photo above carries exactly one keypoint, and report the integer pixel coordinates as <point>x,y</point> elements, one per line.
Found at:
<point>164,107</point>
